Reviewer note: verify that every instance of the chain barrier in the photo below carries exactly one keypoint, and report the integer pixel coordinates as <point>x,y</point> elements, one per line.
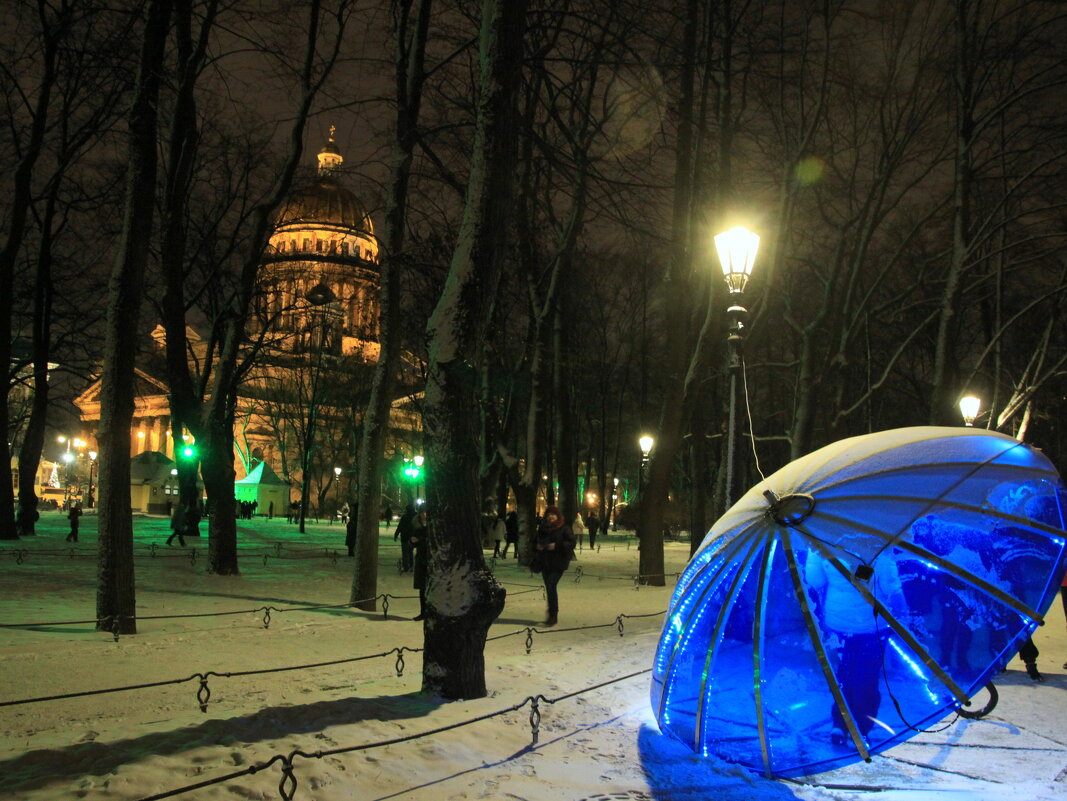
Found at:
<point>288,784</point>
<point>203,692</point>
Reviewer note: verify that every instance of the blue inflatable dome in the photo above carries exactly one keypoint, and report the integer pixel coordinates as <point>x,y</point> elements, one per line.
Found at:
<point>858,595</point>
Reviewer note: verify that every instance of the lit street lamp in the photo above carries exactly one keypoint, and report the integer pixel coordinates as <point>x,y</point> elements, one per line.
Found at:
<point>737,253</point>
<point>319,299</point>
<point>645,443</point>
<point>969,406</point>
<point>92,467</point>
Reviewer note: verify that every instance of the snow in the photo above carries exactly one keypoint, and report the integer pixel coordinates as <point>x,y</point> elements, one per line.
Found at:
<point>598,744</point>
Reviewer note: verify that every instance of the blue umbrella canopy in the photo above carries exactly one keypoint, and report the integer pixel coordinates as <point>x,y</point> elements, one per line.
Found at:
<point>857,595</point>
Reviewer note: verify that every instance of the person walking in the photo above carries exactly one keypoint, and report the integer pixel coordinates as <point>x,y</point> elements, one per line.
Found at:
<point>421,558</point>
<point>578,529</point>
<point>592,525</point>
<point>74,515</point>
<point>499,534</point>
<point>387,516</point>
<point>511,535</point>
<point>403,533</point>
<point>554,549</point>
<point>177,523</point>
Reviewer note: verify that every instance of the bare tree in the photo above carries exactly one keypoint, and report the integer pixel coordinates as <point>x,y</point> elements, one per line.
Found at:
<point>463,597</point>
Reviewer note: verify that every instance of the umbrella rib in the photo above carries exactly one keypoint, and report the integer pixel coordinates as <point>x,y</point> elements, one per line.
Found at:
<point>944,564</point>
<point>820,650</point>
<point>719,621</point>
<point>735,545</point>
<point>809,486</point>
<point>1027,522</point>
<point>895,624</point>
<point>757,642</point>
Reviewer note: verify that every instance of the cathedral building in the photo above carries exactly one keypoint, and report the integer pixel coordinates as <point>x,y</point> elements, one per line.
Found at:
<point>315,324</point>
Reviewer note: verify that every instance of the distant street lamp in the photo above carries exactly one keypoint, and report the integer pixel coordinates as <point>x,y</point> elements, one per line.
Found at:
<point>319,299</point>
<point>645,443</point>
<point>969,406</point>
<point>737,253</point>
<point>336,491</point>
<point>92,467</point>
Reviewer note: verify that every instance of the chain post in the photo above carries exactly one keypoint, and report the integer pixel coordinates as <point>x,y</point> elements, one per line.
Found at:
<point>266,617</point>
<point>266,557</point>
<point>277,549</point>
<point>399,662</point>
<point>203,693</point>
<point>535,720</point>
<point>287,786</point>
<point>152,550</point>
<point>578,573</point>
<point>618,622</point>
<point>637,583</point>
<point>192,556</point>
<point>529,639</point>
<point>19,553</point>
<point>385,606</point>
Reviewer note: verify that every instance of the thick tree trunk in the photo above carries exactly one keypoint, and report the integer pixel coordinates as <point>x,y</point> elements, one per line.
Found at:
<point>115,601</point>
<point>463,597</point>
<point>409,80</point>
<point>216,468</point>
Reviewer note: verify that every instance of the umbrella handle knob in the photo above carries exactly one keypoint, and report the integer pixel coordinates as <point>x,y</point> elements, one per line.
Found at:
<point>789,510</point>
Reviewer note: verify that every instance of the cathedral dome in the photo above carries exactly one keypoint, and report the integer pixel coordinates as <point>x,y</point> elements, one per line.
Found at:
<point>324,203</point>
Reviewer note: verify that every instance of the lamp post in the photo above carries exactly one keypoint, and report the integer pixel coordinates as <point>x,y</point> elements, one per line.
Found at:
<point>319,299</point>
<point>92,467</point>
<point>737,253</point>
<point>969,406</point>
<point>645,443</point>
<point>337,489</point>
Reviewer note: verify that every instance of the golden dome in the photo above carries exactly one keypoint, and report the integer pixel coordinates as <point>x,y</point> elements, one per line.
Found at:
<point>324,203</point>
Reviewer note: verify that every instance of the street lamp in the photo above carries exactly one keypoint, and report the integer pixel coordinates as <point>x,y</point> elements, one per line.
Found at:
<point>92,466</point>
<point>969,406</point>
<point>337,489</point>
<point>645,443</point>
<point>319,298</point>
<point>737,254</point>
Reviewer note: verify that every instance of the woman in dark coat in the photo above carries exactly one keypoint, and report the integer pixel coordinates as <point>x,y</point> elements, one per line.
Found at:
<point>421,558</point>
<point>511,535</point>
<point>554,549</point>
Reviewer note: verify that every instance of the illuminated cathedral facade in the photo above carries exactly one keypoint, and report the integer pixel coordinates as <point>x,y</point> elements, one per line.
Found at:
<point>315,322</point>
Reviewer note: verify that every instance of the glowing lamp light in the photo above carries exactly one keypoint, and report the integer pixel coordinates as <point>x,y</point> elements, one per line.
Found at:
<point>969,406</point>
<point>737,253</point>
<point>337,472</point>
<point>645,442</point>
<point>419,460</point>
<point>68,457</point>
<point>92,455</point>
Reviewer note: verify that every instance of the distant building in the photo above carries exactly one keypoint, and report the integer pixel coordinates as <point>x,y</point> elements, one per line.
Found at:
<point>315,323</point>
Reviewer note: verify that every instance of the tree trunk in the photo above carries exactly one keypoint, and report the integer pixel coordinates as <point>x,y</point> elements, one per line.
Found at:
<point>653,501</point>
<point>463,598</point>
<point>409,80</point>
<point>216,467</point>
<point>33,442</point>
<point>19,208</point>
<point>115,599</point>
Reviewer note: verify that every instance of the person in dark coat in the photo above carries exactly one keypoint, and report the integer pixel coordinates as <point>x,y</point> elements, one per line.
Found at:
<point>592,525</point>
<point>350,529</point>
<point>420,558</point>
<point>402,532</point>
<point>387,516</point>
<point>554,549</point>
<point>74,515</point>
<point>177,523</point>
<point>511,533</point>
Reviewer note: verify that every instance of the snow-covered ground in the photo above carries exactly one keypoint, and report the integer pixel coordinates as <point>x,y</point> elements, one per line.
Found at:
<point>598,744</point>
